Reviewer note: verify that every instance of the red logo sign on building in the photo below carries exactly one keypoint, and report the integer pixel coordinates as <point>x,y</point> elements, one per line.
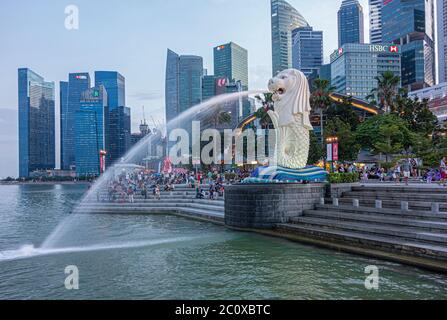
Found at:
<point>394,49</point>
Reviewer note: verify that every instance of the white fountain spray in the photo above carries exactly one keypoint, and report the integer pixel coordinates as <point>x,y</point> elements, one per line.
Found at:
<point>52,243</point>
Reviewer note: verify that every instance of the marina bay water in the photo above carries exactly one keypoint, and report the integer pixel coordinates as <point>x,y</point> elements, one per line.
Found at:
<point>167,257</point>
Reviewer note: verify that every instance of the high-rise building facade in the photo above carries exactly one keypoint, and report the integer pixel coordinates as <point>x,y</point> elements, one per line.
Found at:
<point>307,50</point>
<point>441,39</point>
<point>285,18</point>
<point>183,83</point>
<point>77,84</point>
<point>115,85</point>
<point>208,87</point>
<point>354,67</point>
<point>118,132</point>
<point>375,21</point>
<point>231,62</point>
<point>350,23</point>
<point>326,72</point>
<point>410,24</point>
<point>90,132</point>
<point>36,99</point>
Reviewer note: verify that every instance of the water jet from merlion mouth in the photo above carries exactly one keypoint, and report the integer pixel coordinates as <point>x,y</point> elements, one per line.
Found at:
<point>134,156</point>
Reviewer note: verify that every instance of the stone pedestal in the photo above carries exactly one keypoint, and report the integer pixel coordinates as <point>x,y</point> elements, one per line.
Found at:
<point>262,206</point>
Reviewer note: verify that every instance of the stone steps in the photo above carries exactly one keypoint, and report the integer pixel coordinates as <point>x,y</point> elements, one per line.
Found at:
<point>379,229</point>
<point>415,215</point>
<point>423,197</point>
<point>188,212</point>
<point>401,189</point>
<point>379,219</point>
<point>367,241</point>
<point>390,204</point>
<point>119,206</point>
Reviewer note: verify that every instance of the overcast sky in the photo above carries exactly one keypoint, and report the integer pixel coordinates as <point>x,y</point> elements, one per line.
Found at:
<point>131,36</point>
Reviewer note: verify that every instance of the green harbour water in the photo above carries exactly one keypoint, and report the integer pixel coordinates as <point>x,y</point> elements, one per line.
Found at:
<point>167,257</point>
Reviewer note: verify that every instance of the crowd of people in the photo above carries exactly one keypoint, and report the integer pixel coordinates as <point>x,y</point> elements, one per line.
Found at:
<point>402,171</point>
<point>211,184</point>
<point>124,186</point>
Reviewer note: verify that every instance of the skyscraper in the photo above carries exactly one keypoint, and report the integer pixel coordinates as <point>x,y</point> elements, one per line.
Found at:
<point>115,85</point>
<point>350,23</point>
<point>118,131</point>
<point>90,131</point>
<point>183,83</point>
<point>77,84</point>
<point>36,123</point>
<point>285,18</point>
<point>355,67</point>
<point>231,62</point>
<point>375,21</point>
<point>307,50</point>
<point>118,134</point>
<point>442,40</point>
<point>208,87</point>
<point>410,23</point>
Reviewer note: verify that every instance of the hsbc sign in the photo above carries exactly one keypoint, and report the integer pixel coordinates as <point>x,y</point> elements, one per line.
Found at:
<point>382,48</point>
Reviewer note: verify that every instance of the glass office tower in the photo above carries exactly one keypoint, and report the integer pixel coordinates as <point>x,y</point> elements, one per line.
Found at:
<point>183,83</point>
<point>350,23</point>
<point>307,50</point>
<point>410,24</point>
<point>36,99</point>
<point>115,85</point>
<point>285,18</point>
<point>77,84</point>
<point>118,132</point>
<point>441,38</point>
<point>375,21</point>
<point>231,62</point>
<point>90,131</point>
<point>354,67</point>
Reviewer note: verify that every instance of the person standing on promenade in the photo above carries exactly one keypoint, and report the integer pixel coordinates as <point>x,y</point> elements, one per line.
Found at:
<point>144,191</point>
<point>396,173</point>
<point>406,167</point>
<point>443,167</point>
<point>130,193</point>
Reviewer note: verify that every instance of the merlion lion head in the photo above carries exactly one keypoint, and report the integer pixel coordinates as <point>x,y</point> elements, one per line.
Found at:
<point>291,95</point>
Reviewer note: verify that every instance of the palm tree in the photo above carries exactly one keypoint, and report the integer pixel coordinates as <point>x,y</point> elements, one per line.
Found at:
<point>320,99</point>
<point>387,89</point>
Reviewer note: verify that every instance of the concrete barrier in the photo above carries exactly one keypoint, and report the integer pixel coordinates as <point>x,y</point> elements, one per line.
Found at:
<point>404,206</point>
<point>379,204</point>
<point>335,202</point>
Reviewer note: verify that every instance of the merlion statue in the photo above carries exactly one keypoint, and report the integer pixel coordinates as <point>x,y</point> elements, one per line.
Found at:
<point>290,117</point>
<point>291,120</point>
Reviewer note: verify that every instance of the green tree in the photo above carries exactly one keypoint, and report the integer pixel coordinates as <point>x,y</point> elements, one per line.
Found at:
<point>315,150</point>
<point>386,92</point>
<point>348,146</point>
<point>320,99</point>
<point>262,113</point>
<point>385,134</point>
<point>344,112</point>
<point>417,114</point>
